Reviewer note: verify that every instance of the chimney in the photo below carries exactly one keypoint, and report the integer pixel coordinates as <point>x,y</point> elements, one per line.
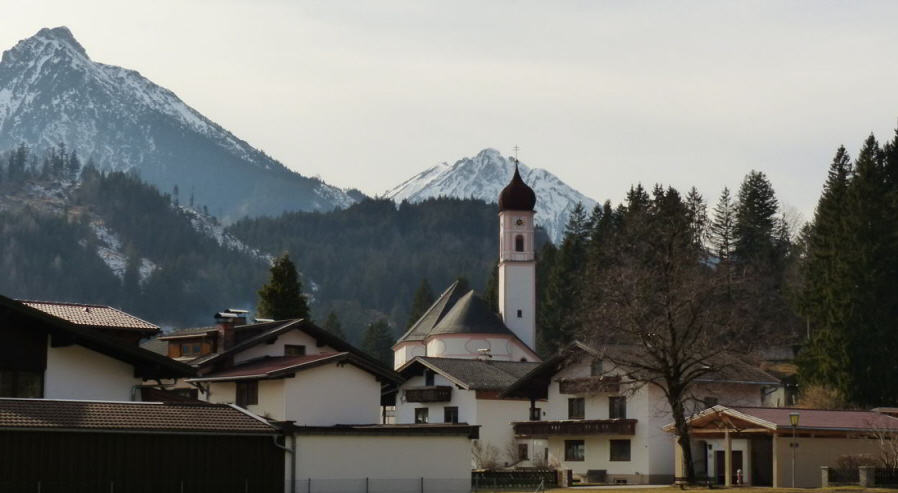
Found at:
<point>226,321</point>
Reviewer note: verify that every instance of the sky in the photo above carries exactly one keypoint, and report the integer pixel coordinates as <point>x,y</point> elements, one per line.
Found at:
<point>604,94</point>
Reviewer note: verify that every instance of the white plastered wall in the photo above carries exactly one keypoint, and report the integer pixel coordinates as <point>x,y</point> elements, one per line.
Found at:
<point>332,394</point>
<point>495,417</point>
<point>293,337</point>
<point>383,457</point>
<point>463,399</point>
<point>75,372</point>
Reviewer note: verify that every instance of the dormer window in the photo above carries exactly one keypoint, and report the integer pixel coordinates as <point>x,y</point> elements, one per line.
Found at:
<point>519,243</point>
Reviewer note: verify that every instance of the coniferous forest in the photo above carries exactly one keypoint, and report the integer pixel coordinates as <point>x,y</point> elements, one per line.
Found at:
<point>749,273</point>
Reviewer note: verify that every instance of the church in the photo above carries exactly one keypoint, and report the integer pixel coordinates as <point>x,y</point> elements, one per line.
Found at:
<point>460,355</point>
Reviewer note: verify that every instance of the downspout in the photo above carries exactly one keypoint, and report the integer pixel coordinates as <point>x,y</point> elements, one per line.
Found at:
<point>292,451</point>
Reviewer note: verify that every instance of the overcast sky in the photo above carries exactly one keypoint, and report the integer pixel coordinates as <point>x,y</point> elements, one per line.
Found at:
<point>603,94</point>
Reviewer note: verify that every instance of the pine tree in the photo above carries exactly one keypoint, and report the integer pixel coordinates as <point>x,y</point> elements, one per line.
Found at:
<point>378,342</point>
<point>721,230</point>
<point>423,299</point>
<point>282,297</point>
<point>491,292</point>
<point>697,214</point>
<point>332,325</point>
<point>755,220</point>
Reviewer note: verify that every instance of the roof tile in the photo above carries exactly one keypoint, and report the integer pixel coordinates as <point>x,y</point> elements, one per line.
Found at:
<point>92,315</point>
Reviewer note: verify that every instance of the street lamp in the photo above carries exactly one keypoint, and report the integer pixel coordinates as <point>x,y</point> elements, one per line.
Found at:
<point>793,420</point>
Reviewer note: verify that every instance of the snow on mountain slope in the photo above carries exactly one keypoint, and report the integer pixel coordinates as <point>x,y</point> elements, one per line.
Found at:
<point>484,176</point>
<point>52,92</point>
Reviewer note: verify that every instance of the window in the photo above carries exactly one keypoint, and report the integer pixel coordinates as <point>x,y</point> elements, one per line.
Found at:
<point>429,378</point>
<point>710,402</point>
<point>191,349</point>
<point>20,383</point>
<point>294,350</point>
<point>450,414</point>
<point>520,313</point>
<point>617,407</point>
<point>519,243</point>
<point>576,408</point>
<point>596,368</point>
<point>620,450</point>
<point>575,450</point>
<point>535,414</point>
<point>523,452</point>
<point>247,393</point>
<point>421,415</point>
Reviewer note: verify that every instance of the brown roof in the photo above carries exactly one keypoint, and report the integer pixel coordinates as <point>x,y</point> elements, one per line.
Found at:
<point>435,429</point>
<point>129,416</point>
<point>92,315</point>
<point>822,419</point>
<point>267,367</point>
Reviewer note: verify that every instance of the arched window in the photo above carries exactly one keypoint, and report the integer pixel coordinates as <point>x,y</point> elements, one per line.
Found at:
<point>519,243</point>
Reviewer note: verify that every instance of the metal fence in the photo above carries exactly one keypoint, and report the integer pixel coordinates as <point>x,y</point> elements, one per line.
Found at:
<point>886,477</point>
<point>388,485</point>
<point>519,480</point>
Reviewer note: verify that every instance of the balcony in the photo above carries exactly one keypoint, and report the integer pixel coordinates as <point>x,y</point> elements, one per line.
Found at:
<point>432,393</point>
<point>589,385</point>
<point>574,427</point>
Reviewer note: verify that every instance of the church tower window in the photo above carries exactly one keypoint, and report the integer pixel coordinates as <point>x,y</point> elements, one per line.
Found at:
<point>519,243</point>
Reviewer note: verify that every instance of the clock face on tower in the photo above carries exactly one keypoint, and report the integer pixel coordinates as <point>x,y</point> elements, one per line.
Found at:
<point>519,222</point>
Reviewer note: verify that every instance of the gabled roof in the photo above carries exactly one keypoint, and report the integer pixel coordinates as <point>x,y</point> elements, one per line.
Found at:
<point>777,419</point>
<point>260,333</point>
<point>730,369</point>
<point>472,374</point>
<point>147,364</point>
<point>150,417</point>
<point>271,367</point>
<point>100,316</point>
<point>433,315</point>
<point>189,332</point>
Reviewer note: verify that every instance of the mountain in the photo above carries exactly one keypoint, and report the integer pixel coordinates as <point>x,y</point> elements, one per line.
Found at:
<point>51,92</point>
<point>484,176</point>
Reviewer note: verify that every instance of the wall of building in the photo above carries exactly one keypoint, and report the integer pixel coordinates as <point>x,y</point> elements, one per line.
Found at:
<point>517,291</point>
<point>407,351</point>
<point>463,399</point>
<point>75,372</point>
<point>332,394</point>
<point>293,337</point>
<point>495,417</point>
<point>468,346</point>
<point>271,402</point>
<point>443,461</point>
<point>811,454</point>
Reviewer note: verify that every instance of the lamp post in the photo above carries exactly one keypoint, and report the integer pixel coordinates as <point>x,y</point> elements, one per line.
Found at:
<point>793,420</point>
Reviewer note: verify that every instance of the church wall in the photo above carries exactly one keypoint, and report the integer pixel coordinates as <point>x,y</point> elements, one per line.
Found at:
<point>467,346</point>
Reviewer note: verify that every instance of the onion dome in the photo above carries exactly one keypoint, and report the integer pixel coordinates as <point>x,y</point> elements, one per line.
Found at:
<point>517,196</point>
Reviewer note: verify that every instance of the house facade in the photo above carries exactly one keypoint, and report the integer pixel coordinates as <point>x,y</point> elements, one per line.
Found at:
<point>588,417</point>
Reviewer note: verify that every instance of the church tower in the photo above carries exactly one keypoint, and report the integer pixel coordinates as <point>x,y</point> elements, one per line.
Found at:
<point>517,265</point>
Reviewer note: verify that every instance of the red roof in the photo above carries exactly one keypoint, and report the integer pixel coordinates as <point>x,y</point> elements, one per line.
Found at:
<point>131,416</point>
<point>92,315</point>
<point>821,419</point>
<point>266,367</point>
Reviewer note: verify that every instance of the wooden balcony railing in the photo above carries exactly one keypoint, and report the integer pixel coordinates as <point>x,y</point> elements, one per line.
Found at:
<point>438,393</point>
<point>575,427</point>
<point>589,385</point>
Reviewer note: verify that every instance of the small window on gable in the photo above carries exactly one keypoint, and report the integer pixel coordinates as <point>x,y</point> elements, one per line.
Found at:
<point>519,243</point>
<point>520,313</point>
<point>596,369</point>
<point>294,350</point>
<point>429,378</point>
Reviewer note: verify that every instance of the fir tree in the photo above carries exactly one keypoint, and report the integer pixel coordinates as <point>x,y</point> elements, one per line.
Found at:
<point>755,220</point>
<point>378,342</point>
<point>491,292</point>
<point>423,299</point>
<point>332,325</point>
<point>282,297</point>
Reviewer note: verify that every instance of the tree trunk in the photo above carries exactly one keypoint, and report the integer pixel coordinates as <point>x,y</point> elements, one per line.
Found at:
<point>682,427</point>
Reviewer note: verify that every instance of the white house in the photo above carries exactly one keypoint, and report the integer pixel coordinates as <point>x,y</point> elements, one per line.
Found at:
<point>587,417</point>
<point>453,390</point>
<point>67,351</point>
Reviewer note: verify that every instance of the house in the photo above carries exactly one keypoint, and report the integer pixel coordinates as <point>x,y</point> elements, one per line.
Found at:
<point>758,441</point>
<point>325,395</point>
<point>81,446</point>
<point>587,416</point>
<point>65,351</point>
<point>454,390</point>
<point>189,344</point>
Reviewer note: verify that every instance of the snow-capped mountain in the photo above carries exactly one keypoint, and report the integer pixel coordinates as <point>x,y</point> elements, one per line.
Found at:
<point>51,92</point>
<point>484,176</point>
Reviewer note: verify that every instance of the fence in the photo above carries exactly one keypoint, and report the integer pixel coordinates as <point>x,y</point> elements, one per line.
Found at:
<point>527,480</point>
